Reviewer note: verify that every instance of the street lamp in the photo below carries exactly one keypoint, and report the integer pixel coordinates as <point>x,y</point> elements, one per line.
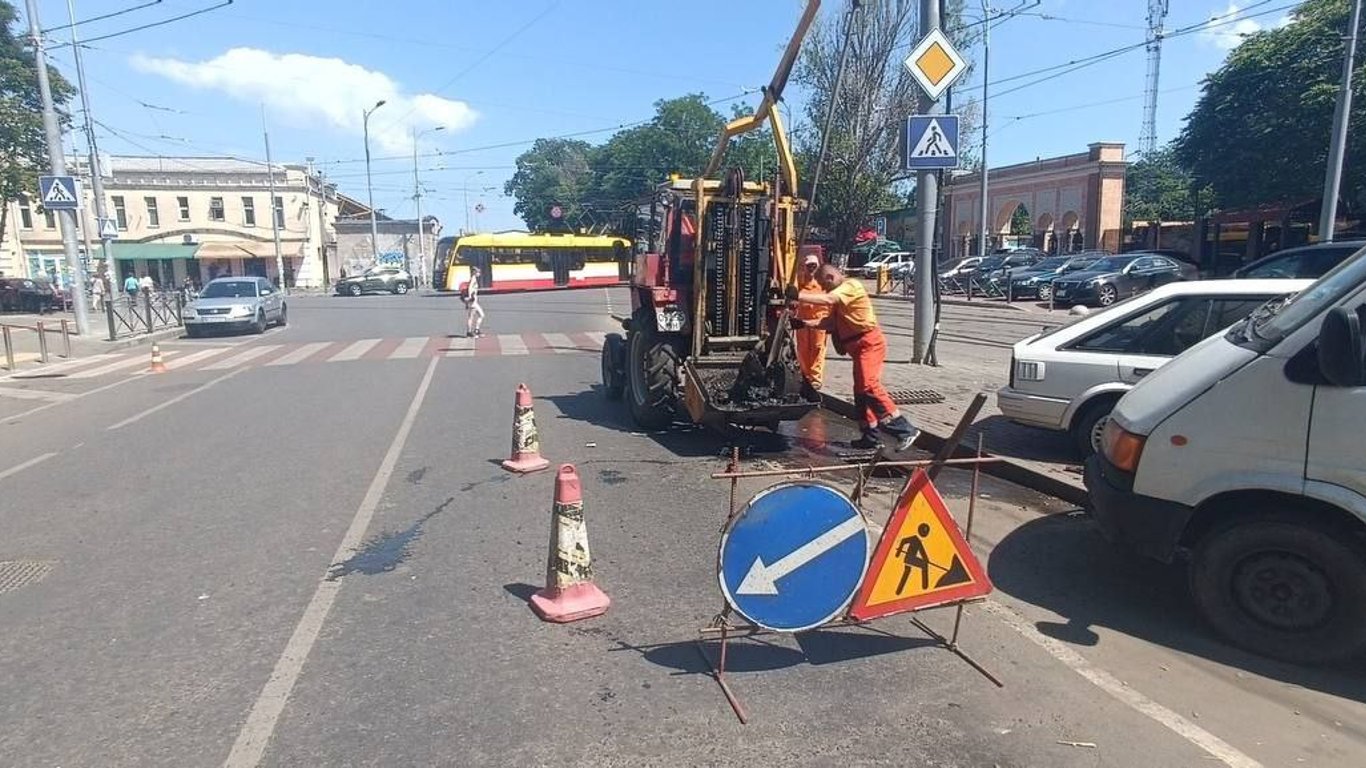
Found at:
<point>417,197</point>
<point>369,188</point>
<point>466,186</point>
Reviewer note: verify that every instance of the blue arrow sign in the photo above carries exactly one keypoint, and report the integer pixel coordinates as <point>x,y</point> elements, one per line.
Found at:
<point>793,557</point>
<point>930,142</point>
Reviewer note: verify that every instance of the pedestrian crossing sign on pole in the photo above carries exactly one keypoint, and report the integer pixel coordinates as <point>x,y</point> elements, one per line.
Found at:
<point>59,193</point>
<point>930,142</point>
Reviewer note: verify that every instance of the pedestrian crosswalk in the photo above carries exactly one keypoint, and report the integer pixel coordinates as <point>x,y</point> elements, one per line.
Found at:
<point>223,358</point>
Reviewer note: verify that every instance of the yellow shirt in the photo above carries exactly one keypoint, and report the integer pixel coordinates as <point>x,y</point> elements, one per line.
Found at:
<point>853,310</point>
<point>811,311</point>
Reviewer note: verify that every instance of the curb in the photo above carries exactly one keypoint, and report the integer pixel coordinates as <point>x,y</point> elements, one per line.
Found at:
<point>146,338</point>
<point>1005,469</point>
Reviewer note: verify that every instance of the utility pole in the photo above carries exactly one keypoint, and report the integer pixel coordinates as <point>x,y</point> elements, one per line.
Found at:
<point>986,69</point>
<point>417,197</point>
<point>1332,182</point>
<point>57,165</point>
<point>274,211</point>
<point>369,187</point>
<point>96,179</point>
<point>927,201</point>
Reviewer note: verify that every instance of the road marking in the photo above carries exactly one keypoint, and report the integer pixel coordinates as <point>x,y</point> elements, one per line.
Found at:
<point>17,468</point>
<point>241,358</point>
<point>410,348</point>
<point>560,343</point>
<point>114,367</point>
<point>35,394</point>
<point>599,338</point>
<point>1216,747</point>
<point>382,350</point>
<point>511,345</point>
<point>354,351</point>
<point>48,370</point>
<point>16,417</point>
<point>194,357</point>
<point>300,354</point>
<point>174,400</point>
<point>251,741</point>
<point>461,346</point>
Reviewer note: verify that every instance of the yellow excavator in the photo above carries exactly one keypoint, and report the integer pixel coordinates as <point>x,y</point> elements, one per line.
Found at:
<point>707,339</point>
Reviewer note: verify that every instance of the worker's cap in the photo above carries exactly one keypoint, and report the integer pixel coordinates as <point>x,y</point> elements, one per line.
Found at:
<point>812,260</point>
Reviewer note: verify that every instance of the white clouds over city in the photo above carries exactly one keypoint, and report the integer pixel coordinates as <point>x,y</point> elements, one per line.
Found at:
<point>1226,33</point>
<point>316,91</point>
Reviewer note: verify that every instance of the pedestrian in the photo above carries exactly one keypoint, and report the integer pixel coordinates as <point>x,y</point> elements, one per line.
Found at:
<point>474,314</point>
<point>855,332</point>
<point>147,284</point>
<point>97,291</point>
<point>811,338</point>
<point>130,287</point>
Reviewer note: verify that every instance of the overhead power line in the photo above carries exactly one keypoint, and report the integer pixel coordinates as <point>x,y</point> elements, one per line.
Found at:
<point>101,17</point>
<point>151,25</point>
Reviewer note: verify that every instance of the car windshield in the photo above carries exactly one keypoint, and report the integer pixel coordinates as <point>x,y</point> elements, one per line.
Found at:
<point>1112,264</point>
<point>1050,263</point>
<point>991,262</point>
<point>371,272</point>
<point>229,289</point>
<point>1275,321</point>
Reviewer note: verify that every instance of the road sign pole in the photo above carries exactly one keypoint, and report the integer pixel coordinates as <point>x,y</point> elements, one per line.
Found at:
<point>986,59</point>
<point>927,198</point>
<point>57,163</point>
<point>96,180</point>
<point>274,216</point>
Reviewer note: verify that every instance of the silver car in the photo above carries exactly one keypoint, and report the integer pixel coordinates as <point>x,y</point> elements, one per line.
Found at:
<point>235,304</point>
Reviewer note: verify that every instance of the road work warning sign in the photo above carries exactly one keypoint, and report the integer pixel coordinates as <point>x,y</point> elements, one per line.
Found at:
<point>921,560</point>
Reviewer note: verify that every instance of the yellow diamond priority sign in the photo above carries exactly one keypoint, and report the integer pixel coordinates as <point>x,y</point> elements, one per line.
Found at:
<point>935,64</point>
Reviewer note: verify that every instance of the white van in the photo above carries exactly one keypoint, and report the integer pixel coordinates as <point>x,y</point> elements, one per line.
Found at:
<point>1248,452</point>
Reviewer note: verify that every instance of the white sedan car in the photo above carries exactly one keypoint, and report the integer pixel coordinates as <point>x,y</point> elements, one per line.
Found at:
<point>1069,379</point>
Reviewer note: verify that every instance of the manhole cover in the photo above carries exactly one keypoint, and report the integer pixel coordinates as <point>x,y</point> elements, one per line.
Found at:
<point>915,396</point>
<point>20,573</point>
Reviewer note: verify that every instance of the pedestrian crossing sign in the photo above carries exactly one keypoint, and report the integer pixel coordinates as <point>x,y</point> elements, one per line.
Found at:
<point>930,142</point>
<point>59,193</point>
<point>921,561</point>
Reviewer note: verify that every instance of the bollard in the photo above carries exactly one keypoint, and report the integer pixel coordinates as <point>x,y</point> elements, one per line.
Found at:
<point>66,339</point>
<point>42,341</point>
<point>1052,295</point>
<point>9,350</point>
<point>147,304</point>
<point>1010,289</point>
<point>109,316</point>
<point>970,282</point>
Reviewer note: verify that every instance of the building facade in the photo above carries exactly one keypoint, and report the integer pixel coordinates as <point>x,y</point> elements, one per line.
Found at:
<point>195,217</point>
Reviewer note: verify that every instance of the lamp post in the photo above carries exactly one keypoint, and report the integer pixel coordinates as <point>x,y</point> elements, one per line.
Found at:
<point>417,197</point>
<point>466,185</point>
<point>369,188</point>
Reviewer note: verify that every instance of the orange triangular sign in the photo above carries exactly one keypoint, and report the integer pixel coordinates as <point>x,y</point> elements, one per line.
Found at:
<point>921,560</point>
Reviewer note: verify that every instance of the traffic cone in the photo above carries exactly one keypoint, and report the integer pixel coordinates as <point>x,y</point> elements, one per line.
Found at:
<point>526,445</point>
<point>569,593</point>
<point>158,365</point>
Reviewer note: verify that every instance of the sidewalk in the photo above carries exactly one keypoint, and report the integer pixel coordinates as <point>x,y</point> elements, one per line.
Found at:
<point>27,349</point>
<point>974,356</point>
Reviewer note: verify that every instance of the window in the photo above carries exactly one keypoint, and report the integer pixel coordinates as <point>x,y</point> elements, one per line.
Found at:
<point>49,219</point>
<point>216,209</point>
<point>183,203</point>
<point>153,215</point>
<point>280,212</point>
<point>120,213</point>
<point>1129,335</point>
<point>1173,327</point>
<point>25,213</point>
<point>249,211</point>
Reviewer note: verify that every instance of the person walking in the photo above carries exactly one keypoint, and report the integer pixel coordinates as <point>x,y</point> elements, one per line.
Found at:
<point>474,314</point>
<point>97,291</point>
<point>811,338</point>
<point>856,332</point>
<point>130,287</point>
<point>147,284</point>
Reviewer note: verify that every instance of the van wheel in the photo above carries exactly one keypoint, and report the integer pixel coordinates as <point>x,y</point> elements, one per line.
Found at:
<point>1089,425</point>
<point>1284,586</point>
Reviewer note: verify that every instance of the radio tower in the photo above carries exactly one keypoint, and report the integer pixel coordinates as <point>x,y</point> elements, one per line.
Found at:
<point>1157,13</point>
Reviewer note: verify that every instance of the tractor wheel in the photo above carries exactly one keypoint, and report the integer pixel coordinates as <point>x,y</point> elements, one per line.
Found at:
<point>651,366</point>
<point>613,373</point>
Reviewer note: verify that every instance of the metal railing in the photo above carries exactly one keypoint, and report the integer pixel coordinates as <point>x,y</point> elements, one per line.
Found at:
<point>42,330</point>
<point>147,313</point>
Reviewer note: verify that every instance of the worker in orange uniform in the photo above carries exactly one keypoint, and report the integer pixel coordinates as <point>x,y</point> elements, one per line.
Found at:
<point>811,338</point>
<point>854,326</point>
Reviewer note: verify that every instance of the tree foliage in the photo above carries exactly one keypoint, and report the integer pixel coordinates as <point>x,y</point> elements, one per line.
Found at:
<point>1260,130</point>
<point>1159,188</point>
<point>23,145</point>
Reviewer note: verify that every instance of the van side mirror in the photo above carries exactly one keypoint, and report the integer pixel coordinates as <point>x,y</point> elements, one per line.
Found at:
<point>1342,357</point>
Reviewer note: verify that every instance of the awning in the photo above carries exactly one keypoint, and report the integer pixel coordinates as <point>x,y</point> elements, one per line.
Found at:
<point>151,251</point>
<point>246,249</point>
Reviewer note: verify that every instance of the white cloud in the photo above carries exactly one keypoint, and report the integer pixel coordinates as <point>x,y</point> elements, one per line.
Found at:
<point>1227,35</point>
<point>309,91</point>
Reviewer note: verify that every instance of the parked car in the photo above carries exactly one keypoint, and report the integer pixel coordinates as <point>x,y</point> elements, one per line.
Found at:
<point>1036,282</point>
<point>235,304</point>
<point>960,267</point>
<point>1310,261</point>
<point>1069,378</point>
<point>892,260</point>
<point>1116,277</point>
<point>1244,456</point>
<point>867,251</point>
<point>377,279</point>
<point>994,266</point>
<point>20,294</point>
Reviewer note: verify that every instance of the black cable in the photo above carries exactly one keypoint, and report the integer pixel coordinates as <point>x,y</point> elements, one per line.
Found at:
<point>163,22</point>
<point>101,17</point>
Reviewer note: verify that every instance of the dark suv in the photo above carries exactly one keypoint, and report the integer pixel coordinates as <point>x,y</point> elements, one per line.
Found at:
<point>1308,262</point>
<point>378,279</point>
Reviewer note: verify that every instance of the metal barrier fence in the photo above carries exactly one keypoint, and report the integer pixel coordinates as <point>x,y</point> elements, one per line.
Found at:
<point>149,312</point>
<point>7,332</point>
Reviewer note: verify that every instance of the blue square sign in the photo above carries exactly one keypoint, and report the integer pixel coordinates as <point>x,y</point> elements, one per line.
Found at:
<point>930,142</point>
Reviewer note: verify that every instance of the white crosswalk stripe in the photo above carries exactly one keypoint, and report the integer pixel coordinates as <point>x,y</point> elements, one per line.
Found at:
<point>241,358</point>
<point>560,343</point>
<point>52,368</point>
<point>410,348</point>
<point>194,357</point>
<point>128,362</point>
<point>301,354</point>
<point>511,345</point>
<point>354,351</point>
<point>598,337</point>
<point>461,346</point>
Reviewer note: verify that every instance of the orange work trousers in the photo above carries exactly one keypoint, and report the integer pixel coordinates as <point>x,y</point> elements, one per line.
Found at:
<point>871,400</point>
<point>811,355</point>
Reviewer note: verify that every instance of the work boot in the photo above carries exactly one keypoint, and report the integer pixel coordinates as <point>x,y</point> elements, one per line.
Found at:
<point>868,442</point>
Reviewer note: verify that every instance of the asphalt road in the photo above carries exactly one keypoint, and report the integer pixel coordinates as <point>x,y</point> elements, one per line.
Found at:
<point>308,555</point>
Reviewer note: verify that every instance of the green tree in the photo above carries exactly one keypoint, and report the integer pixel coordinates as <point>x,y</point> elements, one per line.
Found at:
<point>679,139</point>
<point>1259,132</point>
<point>23,144</point>
<point>1020,222</point>
<point>1158,188</point>
<point>553,171</point>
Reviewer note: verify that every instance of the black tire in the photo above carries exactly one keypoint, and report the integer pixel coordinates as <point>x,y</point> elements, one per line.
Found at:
<point>355,290</point>
<point>613,378</point>
<point>284,316</point>
<point>259,326</point>
<point>1088,424</point>
<point>1106,295</point>
<point>1283,585</point>
<point>650,368</point>
<point>400,288</point>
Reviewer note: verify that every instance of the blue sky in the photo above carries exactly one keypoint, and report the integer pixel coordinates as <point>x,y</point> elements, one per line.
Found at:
<point>499,75</point>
